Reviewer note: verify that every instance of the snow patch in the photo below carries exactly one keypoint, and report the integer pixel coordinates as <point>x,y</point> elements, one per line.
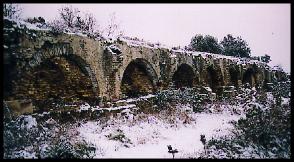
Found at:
<point>84,107</point>
<point>22,24</point>
<point>149,138</point>
<point>208,89</point>
<point>113,49</point>
<point>285,101</point>
<point>148,96</point>
<point>28,122</point>
<point>119,107</point>
<point>24,154</point>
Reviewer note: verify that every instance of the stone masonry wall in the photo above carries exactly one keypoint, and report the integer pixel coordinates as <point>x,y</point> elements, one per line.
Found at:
<point>95,68</point>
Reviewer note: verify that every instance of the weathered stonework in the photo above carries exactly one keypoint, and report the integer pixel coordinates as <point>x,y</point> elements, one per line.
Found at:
<point>101,70</point>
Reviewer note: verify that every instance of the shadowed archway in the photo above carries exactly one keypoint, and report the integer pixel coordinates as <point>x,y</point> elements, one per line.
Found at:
<point>249,77</point>
<point>184,76</point>
<point>139,78</point>
<point>214,78</point>
<point>234,76</point>
<point>58,80</point>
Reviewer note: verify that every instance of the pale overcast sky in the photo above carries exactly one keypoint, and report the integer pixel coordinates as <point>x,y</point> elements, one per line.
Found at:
<point>265,27</point>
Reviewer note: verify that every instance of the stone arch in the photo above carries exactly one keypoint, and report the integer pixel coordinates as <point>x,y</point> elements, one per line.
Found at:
<point>62,80</point>
<point>139,78</point>
<point>249,77</point>
<point>57,76</point>
<point>214,78</point>
<point>50,51</point>
<point>184,76</point>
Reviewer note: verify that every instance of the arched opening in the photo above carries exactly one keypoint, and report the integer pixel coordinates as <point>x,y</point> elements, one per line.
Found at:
<point>267,80</point>
<point>248,77</point>
<point>184,76</point>
<point>281,76</point>
<point>277,75</point>
<point>234,76</point>
<point>139,78</point>
<point>213,79</point>
<point>58,80</point>
<point>10,74</point>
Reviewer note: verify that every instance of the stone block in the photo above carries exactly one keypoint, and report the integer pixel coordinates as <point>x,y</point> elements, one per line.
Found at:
<point>19,107</point>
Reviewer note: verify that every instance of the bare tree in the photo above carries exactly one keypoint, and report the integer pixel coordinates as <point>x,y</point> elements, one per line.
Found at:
<point>73,20</point>
<point>113,28</point>
<point>57,26</point>
<point>12,11</point>
<point>69,15</point>
<point>89,23</point>
<point>79,23</point>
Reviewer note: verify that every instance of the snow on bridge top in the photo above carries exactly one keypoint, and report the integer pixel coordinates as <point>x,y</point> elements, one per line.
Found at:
<point>136,42</point>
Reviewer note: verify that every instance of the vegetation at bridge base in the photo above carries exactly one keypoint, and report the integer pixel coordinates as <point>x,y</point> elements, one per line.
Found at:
<point>65,150</point>
<point>170,98</point>
<point>265,131</point>
<point>45,138</point>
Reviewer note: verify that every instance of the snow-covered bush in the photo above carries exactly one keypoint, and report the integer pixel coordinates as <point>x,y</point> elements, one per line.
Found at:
<point>21,132</point>
<point>66,150</point>
<point>269,128</point>
<point>37,137</point>
<point>165,99</point>
<point>23,154</point>
<point>12,11</point>
<point>119,135</point>
<point>264,132</point>
<point>39,22</point>
<point>34,20</point>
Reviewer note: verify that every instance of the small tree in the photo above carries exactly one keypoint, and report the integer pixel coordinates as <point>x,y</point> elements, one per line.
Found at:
<point>113,28</point>
<point>235,46</point>
<point>12,11</point>
<point>89,22</point>
<point>71,19</point>
<point>79,23</point>
<point>197,42</point>
<point>69,15</point>
<point>205,44</point>
<point>57,26</point>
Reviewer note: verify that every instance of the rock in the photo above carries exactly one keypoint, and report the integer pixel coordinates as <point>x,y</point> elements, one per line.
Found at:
<point>19,107</point>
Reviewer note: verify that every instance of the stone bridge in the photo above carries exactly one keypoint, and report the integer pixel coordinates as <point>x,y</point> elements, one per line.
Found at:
<point>44,66</point>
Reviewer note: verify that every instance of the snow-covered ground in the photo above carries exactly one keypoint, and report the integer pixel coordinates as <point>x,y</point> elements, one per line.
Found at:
<point>130,132</point>
<point>149,136</point>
